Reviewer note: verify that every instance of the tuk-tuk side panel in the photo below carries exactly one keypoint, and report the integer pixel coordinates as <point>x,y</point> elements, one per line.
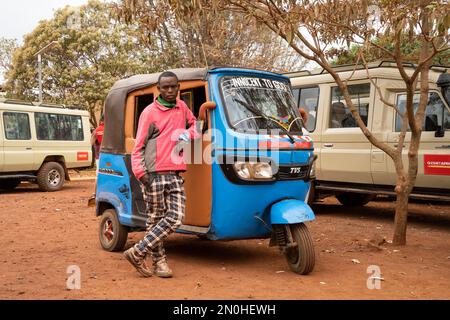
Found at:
<point>113,186</point>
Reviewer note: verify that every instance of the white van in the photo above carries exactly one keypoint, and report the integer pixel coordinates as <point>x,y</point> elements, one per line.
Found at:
<point>348,165</point>
<point>39,143</point>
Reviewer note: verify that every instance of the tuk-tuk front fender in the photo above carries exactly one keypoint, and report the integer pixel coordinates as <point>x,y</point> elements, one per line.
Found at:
<point>290,211</point>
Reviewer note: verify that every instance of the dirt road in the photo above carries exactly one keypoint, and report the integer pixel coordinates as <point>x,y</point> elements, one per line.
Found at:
<point>42,234</point>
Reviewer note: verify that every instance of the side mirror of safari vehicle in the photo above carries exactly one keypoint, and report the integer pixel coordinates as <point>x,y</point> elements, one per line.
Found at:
<point>202,116</point>
<point>440,132</point>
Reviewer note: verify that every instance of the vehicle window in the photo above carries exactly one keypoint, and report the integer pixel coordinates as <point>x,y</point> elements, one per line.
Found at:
<point>58,127</point>
<point>309,100</point>
<point>436,114</point>
<point>340,116</point>
<point>17,126</point>
<point>194,98</point>
<point>259,104</point>
<point>141,103</point>
<point>296,93</point>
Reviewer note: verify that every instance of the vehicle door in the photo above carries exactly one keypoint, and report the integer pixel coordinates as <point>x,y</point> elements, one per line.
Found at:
<point>198,177</point>
<point>345,151</point>
<point>18,143</point>
<point>434,149</point>
<point>308,99</point>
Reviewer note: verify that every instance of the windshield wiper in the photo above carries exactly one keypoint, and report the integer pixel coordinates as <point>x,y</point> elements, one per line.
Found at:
<point>260,114</point>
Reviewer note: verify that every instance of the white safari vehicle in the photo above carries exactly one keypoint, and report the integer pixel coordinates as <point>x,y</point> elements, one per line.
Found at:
<point>348,165</point>
<point>39,143</point>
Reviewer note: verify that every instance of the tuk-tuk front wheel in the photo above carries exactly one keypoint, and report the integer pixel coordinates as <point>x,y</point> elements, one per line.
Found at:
<point>113,235</point>
<point>301,256</point>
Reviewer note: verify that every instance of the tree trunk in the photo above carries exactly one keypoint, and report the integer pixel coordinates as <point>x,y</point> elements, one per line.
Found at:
<point>401,218</point>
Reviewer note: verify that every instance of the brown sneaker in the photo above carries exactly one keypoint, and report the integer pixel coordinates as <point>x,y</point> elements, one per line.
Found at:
<point>161,269</point>
<point>138,263</point>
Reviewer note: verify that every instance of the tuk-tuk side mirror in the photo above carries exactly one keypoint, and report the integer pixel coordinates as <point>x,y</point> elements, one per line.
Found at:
<point>209,105</point>
<point>304,115</point>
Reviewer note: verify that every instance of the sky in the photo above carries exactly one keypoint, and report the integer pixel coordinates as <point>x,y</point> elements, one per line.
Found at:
<point>19,17</point>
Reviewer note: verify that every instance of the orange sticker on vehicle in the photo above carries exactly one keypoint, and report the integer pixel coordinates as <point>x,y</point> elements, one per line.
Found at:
<point>436,164</point>
<point>284,145</point>
<point>82,156</point>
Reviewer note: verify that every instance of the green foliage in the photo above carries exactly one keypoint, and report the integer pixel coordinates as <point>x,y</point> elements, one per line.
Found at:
<point>410,51</point>
<point>198,33</point>
<point>91,53</point>
<point>7,48</point>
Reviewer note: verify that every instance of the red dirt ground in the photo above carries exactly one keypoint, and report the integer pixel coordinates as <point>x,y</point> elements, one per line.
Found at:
<point>44,233</point>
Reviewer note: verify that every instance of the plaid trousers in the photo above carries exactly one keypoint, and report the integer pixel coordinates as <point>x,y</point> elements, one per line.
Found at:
<point>165,204</point>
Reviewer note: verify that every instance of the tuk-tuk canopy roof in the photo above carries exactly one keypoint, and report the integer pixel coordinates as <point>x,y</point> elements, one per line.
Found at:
<point>113,139</point>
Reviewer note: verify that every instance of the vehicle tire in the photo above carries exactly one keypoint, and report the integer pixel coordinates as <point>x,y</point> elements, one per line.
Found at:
<point>113,236</point>
<point>9,184</point>
<point>51,177</point>
<point>301,258</point>
<point>355,199</point>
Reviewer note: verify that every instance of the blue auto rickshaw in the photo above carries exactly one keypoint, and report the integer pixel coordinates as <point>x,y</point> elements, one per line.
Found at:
<point>248,177</point>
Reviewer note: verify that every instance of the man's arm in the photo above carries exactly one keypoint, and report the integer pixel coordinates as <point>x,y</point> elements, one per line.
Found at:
<point>94,136</point>
<point>191,120</point>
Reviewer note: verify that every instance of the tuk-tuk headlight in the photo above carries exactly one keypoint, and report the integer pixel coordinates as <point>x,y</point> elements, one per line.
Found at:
<point>262,170</point>
<point>242,170</point>
<point>253,170</point>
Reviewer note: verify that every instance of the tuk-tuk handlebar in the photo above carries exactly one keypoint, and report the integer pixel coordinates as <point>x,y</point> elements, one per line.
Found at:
<point>209,105</point>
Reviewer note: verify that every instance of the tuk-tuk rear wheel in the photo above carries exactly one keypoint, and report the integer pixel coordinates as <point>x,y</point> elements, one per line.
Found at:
<point>301,258</point>
<point>113,236</point>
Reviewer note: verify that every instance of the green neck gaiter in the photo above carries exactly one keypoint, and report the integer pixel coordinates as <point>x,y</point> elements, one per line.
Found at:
<point>165,103</point>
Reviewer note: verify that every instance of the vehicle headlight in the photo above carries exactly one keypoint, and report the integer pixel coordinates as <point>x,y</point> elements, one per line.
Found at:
<point>253,170</point>
<point>262,170</point>
<point>242,170</point>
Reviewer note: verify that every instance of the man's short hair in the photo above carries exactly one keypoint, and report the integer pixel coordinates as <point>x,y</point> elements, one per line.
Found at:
<point>167,74</point>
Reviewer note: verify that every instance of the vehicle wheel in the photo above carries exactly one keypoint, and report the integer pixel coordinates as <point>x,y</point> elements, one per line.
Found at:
<point>51,176</point>
<point>355,199</point>
<point>113,235</point>
<point>301,258</point>
<point>9,184</point>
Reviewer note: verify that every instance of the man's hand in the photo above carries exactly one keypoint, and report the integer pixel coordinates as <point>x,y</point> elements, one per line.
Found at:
<point>184,136</point>
<point>145,179</point>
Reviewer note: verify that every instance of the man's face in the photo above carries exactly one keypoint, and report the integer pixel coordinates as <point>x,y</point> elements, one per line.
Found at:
<point>168,88</point>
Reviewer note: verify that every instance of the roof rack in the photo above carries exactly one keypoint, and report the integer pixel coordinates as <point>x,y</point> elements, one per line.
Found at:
<point>16,101</point>
<point>371,65</point>
<point>49,105</point>
<point>37,104</point>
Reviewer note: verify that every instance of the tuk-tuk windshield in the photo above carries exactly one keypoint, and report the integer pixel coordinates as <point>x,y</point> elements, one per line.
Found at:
<point>254,104</point>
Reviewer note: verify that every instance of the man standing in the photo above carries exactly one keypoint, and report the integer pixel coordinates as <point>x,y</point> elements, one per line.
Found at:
<point>157,165</point>
<point>96,140</point>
